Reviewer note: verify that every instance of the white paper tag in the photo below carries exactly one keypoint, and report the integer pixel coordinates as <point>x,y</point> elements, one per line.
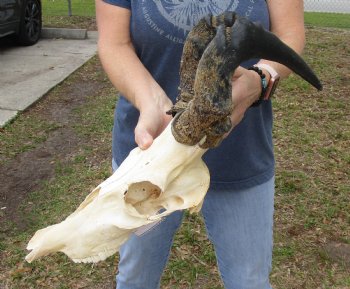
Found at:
<point>146,228</point>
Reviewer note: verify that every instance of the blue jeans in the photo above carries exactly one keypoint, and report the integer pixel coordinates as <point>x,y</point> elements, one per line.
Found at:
<point>238,223</point>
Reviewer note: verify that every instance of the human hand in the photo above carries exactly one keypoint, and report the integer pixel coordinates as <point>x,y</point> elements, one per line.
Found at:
<point>246,89</point>
<point>153,120</point>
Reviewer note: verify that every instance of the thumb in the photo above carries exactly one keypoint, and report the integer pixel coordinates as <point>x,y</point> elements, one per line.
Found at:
<point>143,137</point>
<point>238,73</point>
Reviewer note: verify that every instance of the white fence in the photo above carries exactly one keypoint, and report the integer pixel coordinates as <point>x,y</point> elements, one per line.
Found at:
<point>333,6</point>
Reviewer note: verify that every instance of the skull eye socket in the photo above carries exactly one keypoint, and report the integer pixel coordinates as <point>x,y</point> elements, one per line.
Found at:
<point>141,194</point>
<point>146,198</point>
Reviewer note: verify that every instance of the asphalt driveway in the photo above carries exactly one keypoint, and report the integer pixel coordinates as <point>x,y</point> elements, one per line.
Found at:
<point>27,73</point>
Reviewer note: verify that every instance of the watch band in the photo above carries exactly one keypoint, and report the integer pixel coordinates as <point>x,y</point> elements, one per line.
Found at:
<point>274,80</point>
<point>264,84</point>
<point>268,68</point>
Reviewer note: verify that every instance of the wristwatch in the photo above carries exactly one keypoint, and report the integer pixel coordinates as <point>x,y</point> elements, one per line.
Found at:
<point>274,80</point>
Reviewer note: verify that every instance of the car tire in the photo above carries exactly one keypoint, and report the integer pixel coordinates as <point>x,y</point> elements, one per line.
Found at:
<point>30,24</point>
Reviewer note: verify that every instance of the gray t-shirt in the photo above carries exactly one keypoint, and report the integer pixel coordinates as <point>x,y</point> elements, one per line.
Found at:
<point>158,30</point>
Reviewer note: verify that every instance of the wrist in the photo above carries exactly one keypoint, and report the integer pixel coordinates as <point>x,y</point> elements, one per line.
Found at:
<point>267,74</point>
<point>263,83</point>
<point>273,80</point>
<point>153,96</point>
<point>158,103</point>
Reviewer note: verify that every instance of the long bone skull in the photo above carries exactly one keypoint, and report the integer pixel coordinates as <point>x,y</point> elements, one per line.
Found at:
<point>170,175</point>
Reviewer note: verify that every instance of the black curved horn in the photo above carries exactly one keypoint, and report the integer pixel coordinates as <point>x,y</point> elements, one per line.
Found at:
<point>251,40</point>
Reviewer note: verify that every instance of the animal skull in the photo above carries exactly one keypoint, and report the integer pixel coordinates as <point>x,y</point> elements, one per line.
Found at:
<point>148,185</point>
<point>170,175</point>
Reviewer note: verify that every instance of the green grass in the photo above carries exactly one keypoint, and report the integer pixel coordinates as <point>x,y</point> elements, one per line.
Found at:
<point>56,14</point>
<point>335,20</point>
<point>311,135</point>
<point>60,7</point>
<point>37,129</point>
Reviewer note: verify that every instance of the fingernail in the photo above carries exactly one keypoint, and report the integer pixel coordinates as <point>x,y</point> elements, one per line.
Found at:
<point>142,145</point>
<point>145,142</point>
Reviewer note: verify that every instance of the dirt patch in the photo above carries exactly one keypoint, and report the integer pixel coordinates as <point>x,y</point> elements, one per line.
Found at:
<point>83,22</point>
<point>338,252</point>
<point>28,170</point>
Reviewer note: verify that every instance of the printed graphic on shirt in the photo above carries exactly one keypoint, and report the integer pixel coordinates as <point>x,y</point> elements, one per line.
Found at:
<point>184,14</point>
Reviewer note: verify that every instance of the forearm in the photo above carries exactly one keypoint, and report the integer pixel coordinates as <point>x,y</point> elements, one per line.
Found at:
<point>286,18</point>
<point>293,41</point>
<point>119,59</point>
<point>287,23</point>
<point>128,74</point>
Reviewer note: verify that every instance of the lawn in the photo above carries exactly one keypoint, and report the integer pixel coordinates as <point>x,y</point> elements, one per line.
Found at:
<point>56,14</point>
<point>335,20</point>
<point>61,8</point>
<point>56,152</point>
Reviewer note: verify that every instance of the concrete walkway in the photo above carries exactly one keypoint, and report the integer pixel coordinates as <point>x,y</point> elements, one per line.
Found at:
<point>28,73</point>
